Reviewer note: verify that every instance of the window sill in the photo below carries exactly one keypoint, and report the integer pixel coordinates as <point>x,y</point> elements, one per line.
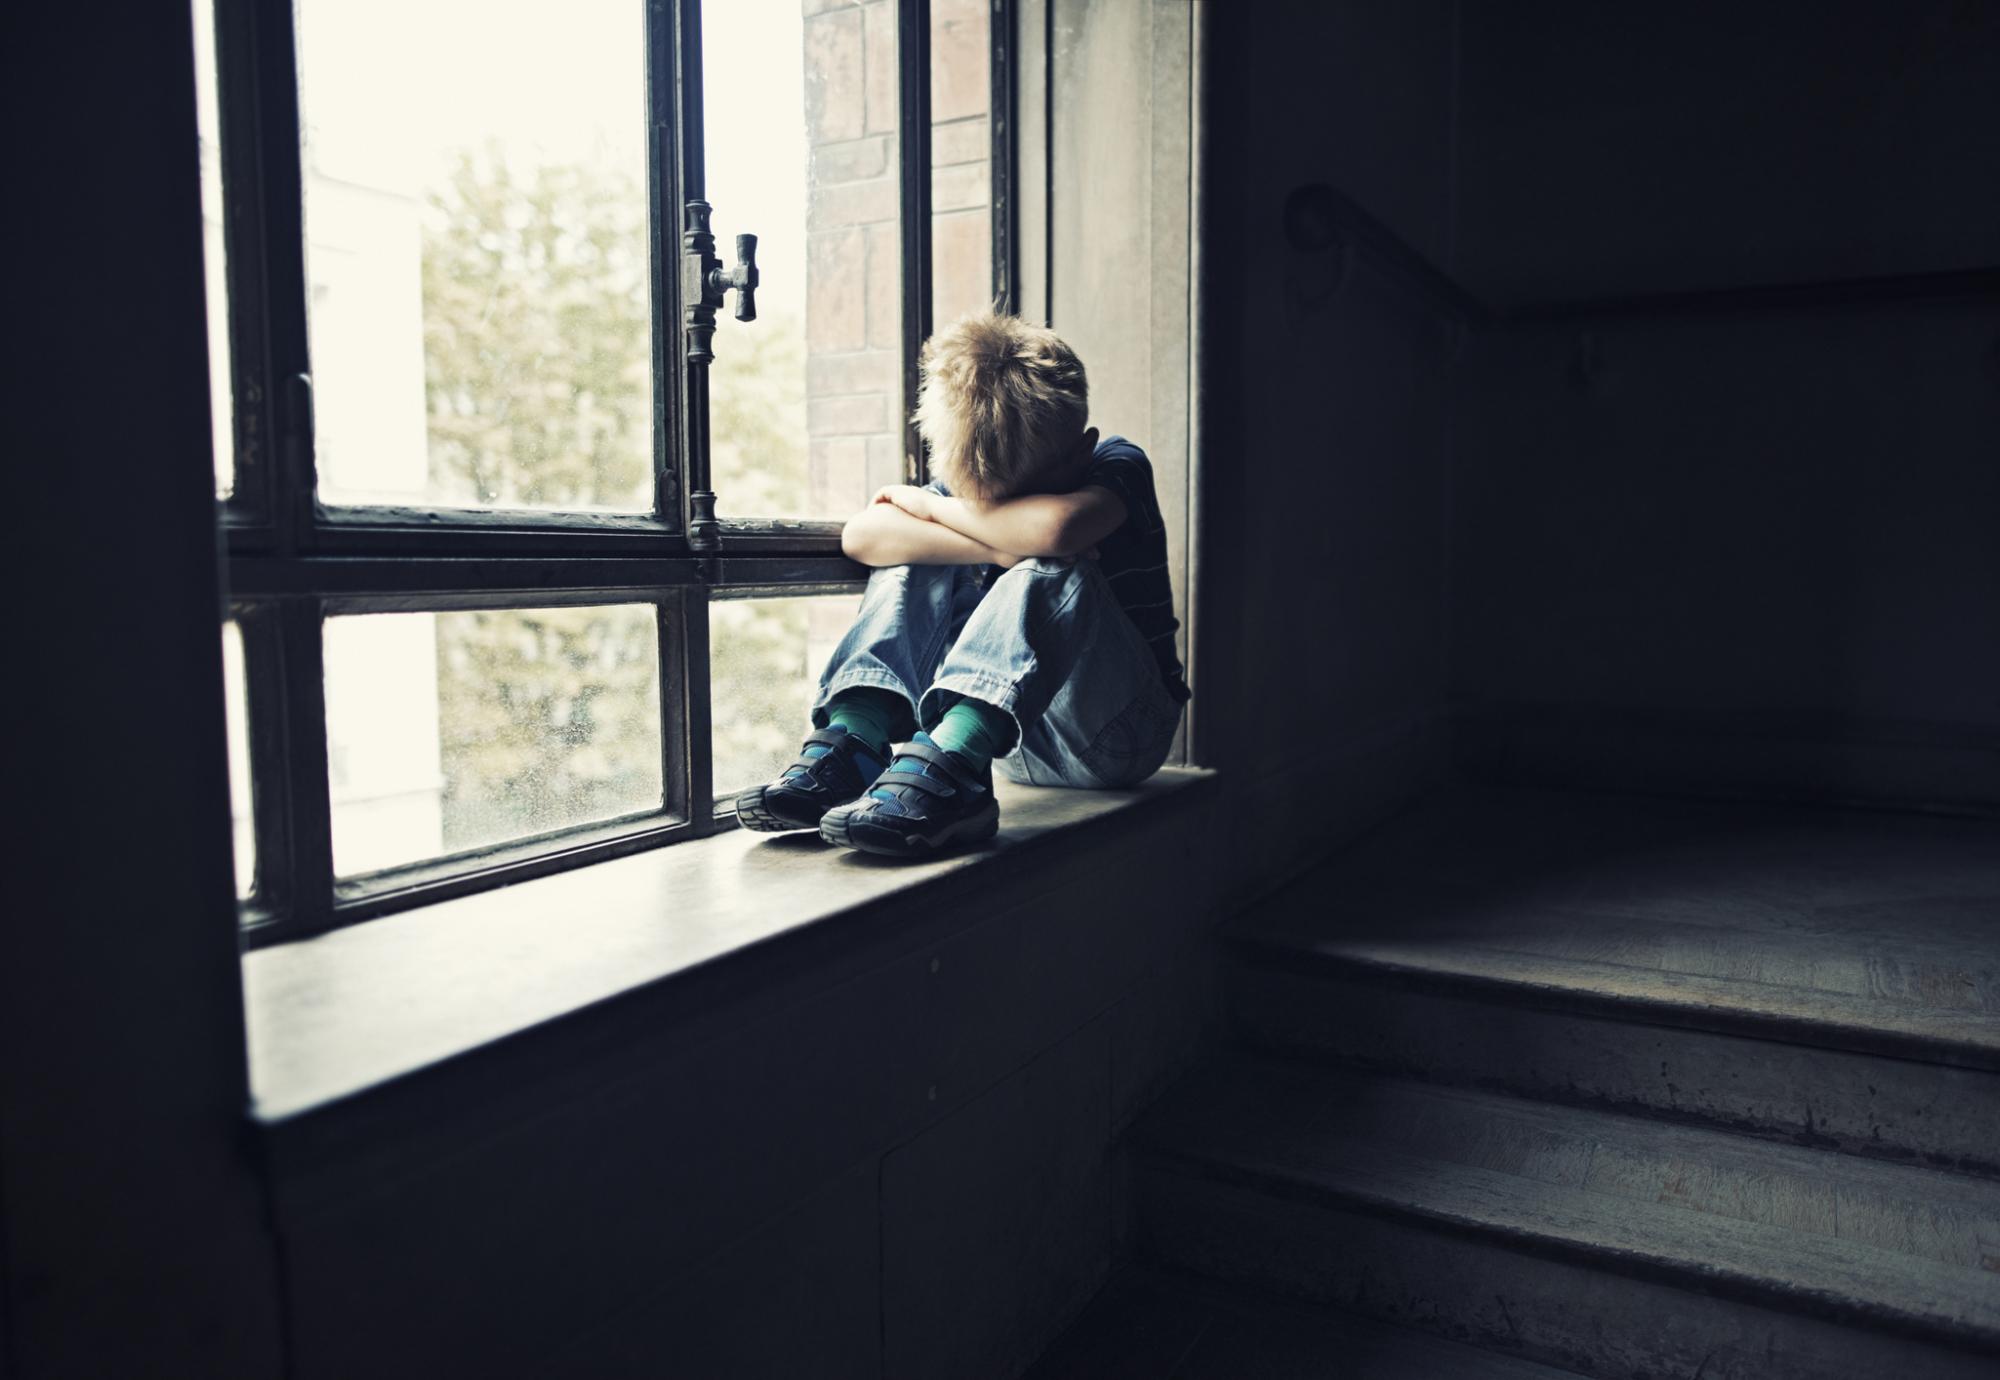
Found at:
<point>339,1015</point>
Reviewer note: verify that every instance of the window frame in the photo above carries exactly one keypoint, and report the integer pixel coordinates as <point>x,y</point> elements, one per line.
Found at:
<point>292,560</point>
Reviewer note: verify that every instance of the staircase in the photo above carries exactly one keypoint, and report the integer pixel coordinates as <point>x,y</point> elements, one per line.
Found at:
<point>1532,1083</point>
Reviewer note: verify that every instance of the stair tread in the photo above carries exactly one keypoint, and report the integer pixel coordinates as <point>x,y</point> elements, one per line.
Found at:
<point>1157,1325</point>
<point>1873,931</point>
<point>1788,1226</point>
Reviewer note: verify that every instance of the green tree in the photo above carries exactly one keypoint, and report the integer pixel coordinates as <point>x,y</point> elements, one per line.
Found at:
<point>757,418</point>
<point>547,717</point>
<point>538,336</point>
<point>538,366</point>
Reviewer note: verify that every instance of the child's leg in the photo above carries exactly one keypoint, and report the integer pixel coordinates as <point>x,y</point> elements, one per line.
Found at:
<point>1049,663</point>
<point>867,694</point>
<point>908,617</point>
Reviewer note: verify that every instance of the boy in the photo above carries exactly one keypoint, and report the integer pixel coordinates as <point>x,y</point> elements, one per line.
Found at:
<point>1019,609</point>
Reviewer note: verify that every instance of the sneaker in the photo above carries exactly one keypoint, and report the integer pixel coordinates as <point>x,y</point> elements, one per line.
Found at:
<point>913,811</point>
<point>833,768</point>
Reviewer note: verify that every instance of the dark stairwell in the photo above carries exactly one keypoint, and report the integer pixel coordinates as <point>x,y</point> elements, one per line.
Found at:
<point>1623,1086</point>
<point>1661,1037</point>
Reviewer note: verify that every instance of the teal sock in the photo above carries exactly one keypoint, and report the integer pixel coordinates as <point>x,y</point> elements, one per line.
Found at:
<point>975,731</point>
<point>871,715</point>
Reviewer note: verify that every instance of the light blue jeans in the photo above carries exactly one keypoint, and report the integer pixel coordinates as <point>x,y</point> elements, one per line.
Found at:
<point>1047,643</point>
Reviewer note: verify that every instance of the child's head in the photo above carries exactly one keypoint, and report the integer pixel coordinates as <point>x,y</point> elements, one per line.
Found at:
<point>1002,407</point>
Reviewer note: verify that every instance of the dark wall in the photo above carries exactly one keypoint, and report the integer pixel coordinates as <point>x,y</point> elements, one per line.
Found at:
<point>133,1240</point>
<point>1649,147</point>
<point>1753,553</point>
<point>1748,548</point>
<point>1324,422</point>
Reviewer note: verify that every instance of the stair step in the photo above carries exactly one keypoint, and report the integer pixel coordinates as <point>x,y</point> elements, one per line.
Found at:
<point>1605,1243</point>
<point>1831,977</point>
<point>1158,1325</point>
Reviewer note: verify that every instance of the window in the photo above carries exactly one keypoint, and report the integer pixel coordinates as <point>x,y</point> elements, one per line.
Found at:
<point>531,509</point>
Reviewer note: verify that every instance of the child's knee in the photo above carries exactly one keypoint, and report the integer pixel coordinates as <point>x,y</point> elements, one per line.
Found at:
<point>1042,575</point>
<point>1054,583</point>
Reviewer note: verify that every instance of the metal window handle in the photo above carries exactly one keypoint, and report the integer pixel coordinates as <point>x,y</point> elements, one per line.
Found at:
<point>742,278</point>
<point>704,282</point>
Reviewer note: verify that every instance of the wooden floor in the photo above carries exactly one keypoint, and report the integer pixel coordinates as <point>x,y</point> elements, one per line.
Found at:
<point>1628,1087</point>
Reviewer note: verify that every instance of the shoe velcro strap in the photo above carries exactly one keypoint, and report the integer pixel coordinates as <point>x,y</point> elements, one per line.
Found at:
<point>938,757</point>
<point>826,739</point>
<point>916,780</point>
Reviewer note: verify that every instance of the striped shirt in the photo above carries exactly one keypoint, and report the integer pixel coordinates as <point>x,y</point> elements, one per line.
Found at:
<point>1134,558</point>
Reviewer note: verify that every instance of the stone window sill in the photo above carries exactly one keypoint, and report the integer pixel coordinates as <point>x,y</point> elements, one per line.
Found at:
<point>340,1015</point>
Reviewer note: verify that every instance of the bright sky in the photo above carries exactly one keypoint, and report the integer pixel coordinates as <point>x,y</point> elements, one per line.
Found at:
<point>393,88</point>
<point>755,91</point>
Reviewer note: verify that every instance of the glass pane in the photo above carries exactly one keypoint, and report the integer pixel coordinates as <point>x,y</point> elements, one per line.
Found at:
<point>961,160</point>
<point>208,124</point>
<point>765,656</point>
<point>236,706</point>
<point>806,402</point>
<point>448,731</point>
<point>476,239</point>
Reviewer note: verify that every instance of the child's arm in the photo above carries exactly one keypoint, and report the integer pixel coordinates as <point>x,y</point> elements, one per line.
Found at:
<point>884,534</point>
<point>1031,525</point>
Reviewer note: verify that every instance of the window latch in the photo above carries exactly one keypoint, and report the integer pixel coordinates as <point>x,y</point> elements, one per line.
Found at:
<point>741,279</point>
<point>704,282</point>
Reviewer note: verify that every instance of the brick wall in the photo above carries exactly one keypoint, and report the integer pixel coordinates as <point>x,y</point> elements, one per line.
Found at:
<point>853,258</point>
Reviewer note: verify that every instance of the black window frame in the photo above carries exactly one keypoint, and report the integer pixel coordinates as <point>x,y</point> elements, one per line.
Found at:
<point>292,561</point>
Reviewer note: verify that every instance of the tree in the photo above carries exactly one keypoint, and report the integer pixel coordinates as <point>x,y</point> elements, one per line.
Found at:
<point>538,336</point>
<point>546,717</point>
<point>538,367</point>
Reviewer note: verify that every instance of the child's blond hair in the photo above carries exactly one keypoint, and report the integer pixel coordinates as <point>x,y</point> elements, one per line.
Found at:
<point>1001,403</point>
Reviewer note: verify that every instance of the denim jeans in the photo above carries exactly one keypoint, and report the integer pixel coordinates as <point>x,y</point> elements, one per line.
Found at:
<point>1047,643</point>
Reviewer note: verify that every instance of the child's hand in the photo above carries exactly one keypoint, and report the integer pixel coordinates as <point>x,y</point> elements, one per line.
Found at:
<point>912,500</point>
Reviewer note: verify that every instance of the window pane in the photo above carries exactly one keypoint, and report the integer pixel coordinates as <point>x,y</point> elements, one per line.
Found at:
<point>806,402</point>
<point>236,708</point>
<point>961,159</point>
<point>208,125</point>
<point>448,731</point>
<point>765,656</point>
<point>476,239</point>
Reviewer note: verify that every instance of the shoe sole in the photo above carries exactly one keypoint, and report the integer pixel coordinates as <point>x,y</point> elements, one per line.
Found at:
<point>753,813</point>
<point>838,827</point>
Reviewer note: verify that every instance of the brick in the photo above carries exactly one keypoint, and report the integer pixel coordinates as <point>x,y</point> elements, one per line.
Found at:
<point>853,203</point>
<point>884,287</point>
<point>960,62</point>
<point>836,302</point>
<point>834,77</point>
<point>961,264</point>
<point>854,161</point>
<point>854,414</point>
<point>836,474</point>
<point>885,459</point>
<point>879,24</point>
<point>873,371</point>
<point>960,141</point>
<point>961,187</point>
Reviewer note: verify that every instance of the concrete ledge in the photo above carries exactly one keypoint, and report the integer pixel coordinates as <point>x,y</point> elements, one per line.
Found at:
<point>751,1074</point>
<point>342,1013</point>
